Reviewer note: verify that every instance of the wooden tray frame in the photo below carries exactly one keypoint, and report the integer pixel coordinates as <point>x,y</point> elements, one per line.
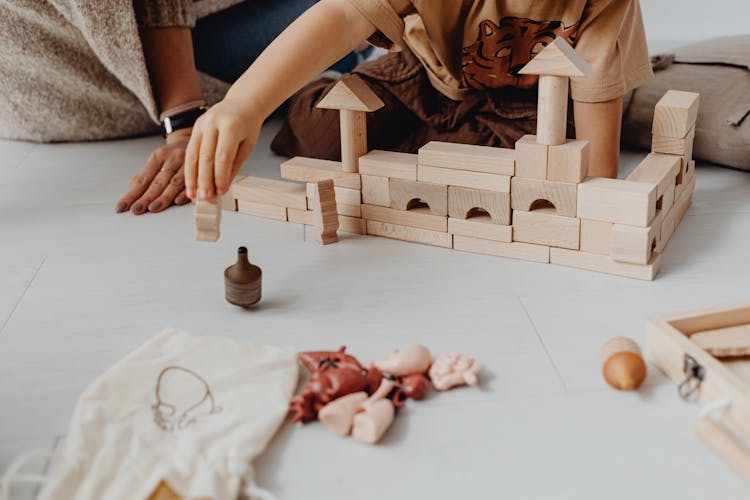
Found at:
<point>704,378</point>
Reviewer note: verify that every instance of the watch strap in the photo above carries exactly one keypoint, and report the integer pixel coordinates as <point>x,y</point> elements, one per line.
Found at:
<point>184,119</point>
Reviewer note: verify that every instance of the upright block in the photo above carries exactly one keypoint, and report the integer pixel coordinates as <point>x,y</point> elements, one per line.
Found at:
<point>659,169</point>
<point>353,126</point>
<point>413,234</point>
<point>375,191</point>
<point>480,227</point>
<point>305,169</point>
<point>324,213</point>
<point>490,160</point>
<point>207,219</point>
<point>464,178</point>
<point>274,212</point>
<point>616,200</point>
<point>544,228</point>
<point>596,236</point>
<point>604,264</point>
<point>514,250</point>
<point>552,110</point>
<point>634,244</point>
<point>271,192</point>
<point>464,203</point>
<point>675,113</point>
<point>531,158</point>
<point>528,194</point>
<point>389,164</point>
<point>682,146</point>
<point>406,195</point>
<point>568,162</point>
<point>418,217</point>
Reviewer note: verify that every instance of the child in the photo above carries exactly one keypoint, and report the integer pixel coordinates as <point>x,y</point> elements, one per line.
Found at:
<point>467,50</point>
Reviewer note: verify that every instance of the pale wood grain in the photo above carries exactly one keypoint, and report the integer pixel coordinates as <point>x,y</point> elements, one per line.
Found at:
<point>469,157</point>
<point>464,178</point>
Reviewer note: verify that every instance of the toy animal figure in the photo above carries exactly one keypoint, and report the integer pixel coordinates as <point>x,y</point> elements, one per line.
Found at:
<point>333,374</point>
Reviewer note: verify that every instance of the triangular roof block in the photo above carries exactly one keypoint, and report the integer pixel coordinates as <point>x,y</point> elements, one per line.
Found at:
<point>557,59</point>
<point>351,93</point>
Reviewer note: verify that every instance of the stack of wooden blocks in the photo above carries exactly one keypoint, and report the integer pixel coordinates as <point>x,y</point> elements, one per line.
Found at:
<point>534,202</point>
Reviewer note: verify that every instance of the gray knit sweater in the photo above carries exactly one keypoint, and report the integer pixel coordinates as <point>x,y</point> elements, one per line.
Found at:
<point>74,70</point>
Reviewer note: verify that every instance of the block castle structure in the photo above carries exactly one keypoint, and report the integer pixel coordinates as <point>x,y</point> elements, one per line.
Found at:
<point>535,202</point>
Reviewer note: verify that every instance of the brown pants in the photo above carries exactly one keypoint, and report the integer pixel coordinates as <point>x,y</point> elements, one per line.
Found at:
<point>414,114</point>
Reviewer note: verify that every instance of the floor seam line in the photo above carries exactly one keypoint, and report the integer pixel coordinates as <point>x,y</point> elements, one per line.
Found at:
<point>544,346</point>
<point>23,295</point>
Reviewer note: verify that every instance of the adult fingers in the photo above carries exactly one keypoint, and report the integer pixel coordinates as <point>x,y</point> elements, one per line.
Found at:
<point>160,182</point>
<point>175,187</point>
<point>182,198</point>
<point>141,181</point>
<point>191,163</point>
<point>206,154</point>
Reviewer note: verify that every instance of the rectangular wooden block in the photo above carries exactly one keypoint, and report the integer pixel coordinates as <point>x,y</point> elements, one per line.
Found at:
<point>300,216</point>
<point>531,158</point>
<point>596,236</point>
<point>260,210</point>
<point>568,162</point>
<point>617,200</point>
<point>674,145</point>
<point>687,174</point>
<point>634,244</point>
<point>348,210</point>
<point>663,204</point>
<point>418,217</point>
<point>480,227</point>
<point>208,219</point>
<point>375,191</point>
<point>527,194</point>
<point>413,234</point>
<point>271,192</point>
<point>464,178</point>
<point>352,225</point>
<point>464,203</point>
<point>675,113</point>
<point>659,169</point>
<point>389,164</point>
<point>543,227</point>
<point>514,250</point>
<point>404,194</point>
<point>604,264</point>
<point>500,161</point>
<point>305,169</point>
<point>343,195</point>
<point>228,200</point>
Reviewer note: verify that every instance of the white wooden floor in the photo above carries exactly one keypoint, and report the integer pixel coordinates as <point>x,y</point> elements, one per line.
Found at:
<point>80,287</point>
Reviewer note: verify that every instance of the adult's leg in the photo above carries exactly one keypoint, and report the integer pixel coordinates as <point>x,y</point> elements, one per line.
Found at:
<point>227,42</point>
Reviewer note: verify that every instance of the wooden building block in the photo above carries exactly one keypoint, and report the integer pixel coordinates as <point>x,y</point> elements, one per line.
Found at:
<point>406,195</point>
<point>353,127</point>
<point>684,179</point>
<point>617,200</point>
<point>604,264</point>
<point>531,158</point>
<point>352,225</point>
<point>349,210</point>
<point>375,191</point>
<point>229,200</point>
<point>543,227</point>
<point>725,342</point>
<point>634,244</point>
<point>305,169</point>
<point>208,219</point>
<point>596,236</point>
<point>464,178</point>
<point>418,217</point>
<point>389,164</point>
<point>529,194</point>
<point>557,58</point>
<point>675,113</point>
<point>325,218</point>
<point>490,160</point>
<point>664,203</point>
<point>514,250</point>
<point>407,233</point>
<point>271,192</point>
<point>300,216</point>
<point>674,145</point>
<point>352,93</point>
<point>260,210</point>
<point>480,227</point>
<point>552,110</point>
<point>568,162</point>
<point>343,195</point>
<point>466,203</point>
<point>659,169</point>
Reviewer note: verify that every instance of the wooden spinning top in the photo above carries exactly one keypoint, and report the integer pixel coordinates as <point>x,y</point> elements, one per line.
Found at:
<point>622,364</point>
<point>242,281</point>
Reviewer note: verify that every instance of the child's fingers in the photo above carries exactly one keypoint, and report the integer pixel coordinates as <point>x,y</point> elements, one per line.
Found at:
<point>206,164</point>
<point>191,163</point>
<point>246,147</point>
<point>226,151</point>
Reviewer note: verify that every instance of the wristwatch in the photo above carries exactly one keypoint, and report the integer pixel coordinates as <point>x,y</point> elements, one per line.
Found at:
<point>181,120</point>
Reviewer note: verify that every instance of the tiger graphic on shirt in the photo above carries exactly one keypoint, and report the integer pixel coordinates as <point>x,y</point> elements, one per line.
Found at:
<point>502,49</point>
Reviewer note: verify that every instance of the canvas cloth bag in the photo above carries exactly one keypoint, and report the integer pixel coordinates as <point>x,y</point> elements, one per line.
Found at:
<point>193,411</point>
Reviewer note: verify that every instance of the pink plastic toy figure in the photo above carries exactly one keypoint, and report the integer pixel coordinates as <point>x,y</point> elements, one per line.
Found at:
<point>413,358</point>
<point>453,369</point>
<point>365,418</point>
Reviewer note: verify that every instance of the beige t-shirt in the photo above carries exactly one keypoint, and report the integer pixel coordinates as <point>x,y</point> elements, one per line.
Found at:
<point>481,44</point>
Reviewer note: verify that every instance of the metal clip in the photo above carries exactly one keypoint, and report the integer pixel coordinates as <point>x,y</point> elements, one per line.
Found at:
<point>694,375</point>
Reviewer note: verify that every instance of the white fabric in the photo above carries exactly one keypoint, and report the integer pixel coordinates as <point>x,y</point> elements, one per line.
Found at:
<point>193,411</point>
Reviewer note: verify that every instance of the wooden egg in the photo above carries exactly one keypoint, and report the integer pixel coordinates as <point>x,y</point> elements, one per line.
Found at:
<point>622,364</point>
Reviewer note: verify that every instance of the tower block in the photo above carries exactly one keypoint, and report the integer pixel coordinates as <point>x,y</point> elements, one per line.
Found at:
<point>555,64</point>
<point>354,99</point>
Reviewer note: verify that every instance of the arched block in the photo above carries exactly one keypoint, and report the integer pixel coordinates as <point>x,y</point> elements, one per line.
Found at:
<point>563,195</point>
<point>465,202</point>
<point>407,195</point>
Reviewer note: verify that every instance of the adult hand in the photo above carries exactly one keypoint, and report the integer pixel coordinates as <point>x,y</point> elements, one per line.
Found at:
<point>221,141</point>
<point>161,182</point>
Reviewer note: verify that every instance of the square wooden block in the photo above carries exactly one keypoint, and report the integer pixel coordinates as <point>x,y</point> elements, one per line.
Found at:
<point>617,200</point>
<point>531,158</point>
<point>568,162</point>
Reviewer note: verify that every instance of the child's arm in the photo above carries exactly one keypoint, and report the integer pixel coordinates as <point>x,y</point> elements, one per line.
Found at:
<point>225,135</point>
<point>600,123</point>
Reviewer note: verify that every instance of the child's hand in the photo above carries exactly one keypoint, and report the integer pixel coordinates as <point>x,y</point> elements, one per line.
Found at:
<point>221,141</point>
